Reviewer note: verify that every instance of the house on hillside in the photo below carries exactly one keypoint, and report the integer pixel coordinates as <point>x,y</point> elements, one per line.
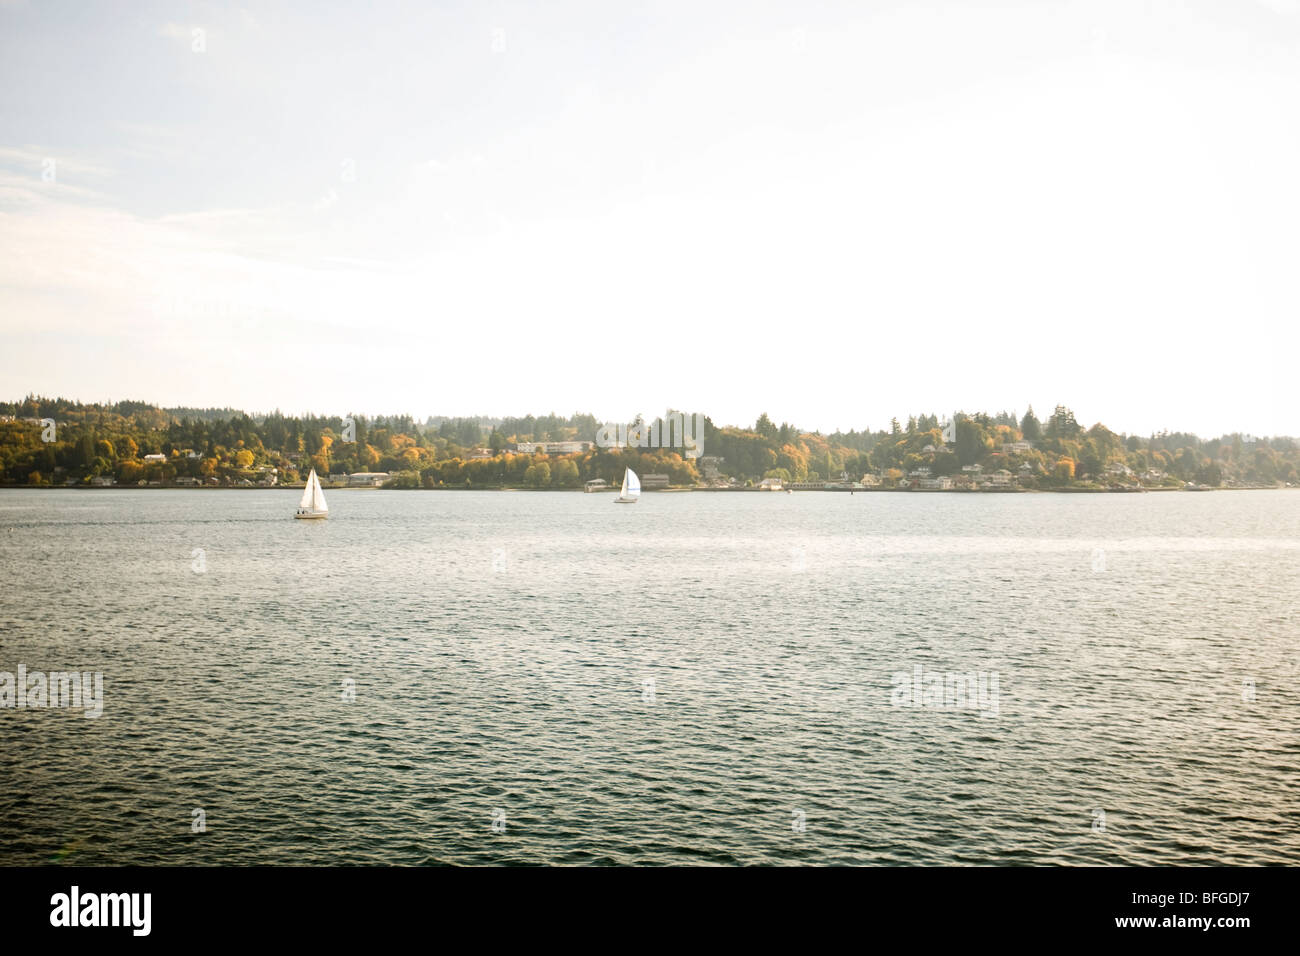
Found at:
<point>1000,479</point>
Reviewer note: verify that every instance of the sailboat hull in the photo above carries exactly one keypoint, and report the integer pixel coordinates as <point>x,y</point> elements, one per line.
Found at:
<point>310,515</point>
<point>624,501</point>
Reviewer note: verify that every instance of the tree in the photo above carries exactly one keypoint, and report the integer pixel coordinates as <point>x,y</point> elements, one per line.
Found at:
<point>565,474</point>
<point>945,463</point>
<point>1210,474</point>
<point>1091,460</point>
<point>1030,429</point>
<point>765,427</point>
<point>469,432</point>
<point>1062,424</point>
<point>971,441</point>
<point>538,475</point>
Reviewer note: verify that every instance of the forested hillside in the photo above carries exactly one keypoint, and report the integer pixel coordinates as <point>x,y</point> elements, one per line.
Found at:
<point>125,440</point>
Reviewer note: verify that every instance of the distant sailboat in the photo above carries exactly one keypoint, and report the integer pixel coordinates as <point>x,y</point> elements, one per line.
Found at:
<point>631,488</point>
<point>313,500</point>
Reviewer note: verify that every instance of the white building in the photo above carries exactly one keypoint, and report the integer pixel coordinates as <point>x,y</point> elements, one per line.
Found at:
<point>553,447</point>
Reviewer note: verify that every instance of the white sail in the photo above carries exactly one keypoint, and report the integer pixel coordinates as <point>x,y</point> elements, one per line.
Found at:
<point>313,498</point>
<point>631,488</point>
<point>317,494</point>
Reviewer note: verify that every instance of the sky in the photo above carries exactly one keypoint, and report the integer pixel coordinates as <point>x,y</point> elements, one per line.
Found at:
<point>836,213</point>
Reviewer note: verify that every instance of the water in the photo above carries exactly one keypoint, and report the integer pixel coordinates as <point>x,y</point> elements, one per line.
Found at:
<point>500,647</point>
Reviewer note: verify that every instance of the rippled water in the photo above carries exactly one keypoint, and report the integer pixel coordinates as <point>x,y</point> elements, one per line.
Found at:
<point>501,647</point>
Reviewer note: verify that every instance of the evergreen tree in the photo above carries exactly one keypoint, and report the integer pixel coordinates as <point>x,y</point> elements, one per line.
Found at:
<point>1030,427</point>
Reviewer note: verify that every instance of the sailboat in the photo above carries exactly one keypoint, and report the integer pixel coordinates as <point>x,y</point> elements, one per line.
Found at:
<point>313,500</point>
<point>631,488</point>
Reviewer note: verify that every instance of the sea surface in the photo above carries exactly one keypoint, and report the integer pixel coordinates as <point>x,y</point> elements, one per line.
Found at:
<point>701,678</point>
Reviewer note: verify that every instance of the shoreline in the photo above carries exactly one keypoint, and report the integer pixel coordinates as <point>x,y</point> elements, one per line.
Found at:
<point>802,491</point>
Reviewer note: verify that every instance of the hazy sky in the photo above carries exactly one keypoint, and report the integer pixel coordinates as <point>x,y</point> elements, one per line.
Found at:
<point>836,213</point>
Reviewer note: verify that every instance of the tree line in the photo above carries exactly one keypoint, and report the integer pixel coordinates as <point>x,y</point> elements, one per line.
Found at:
<point>125,440</point>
